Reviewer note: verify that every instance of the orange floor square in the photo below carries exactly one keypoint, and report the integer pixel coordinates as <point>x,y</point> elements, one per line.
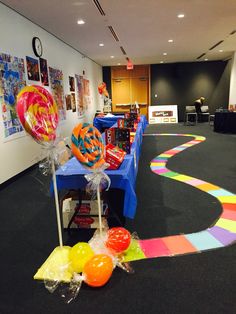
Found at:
<point>178,245</point>
<point>207,187</point>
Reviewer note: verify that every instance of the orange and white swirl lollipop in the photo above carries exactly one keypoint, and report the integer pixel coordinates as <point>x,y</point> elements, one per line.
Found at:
<point>38,113</point>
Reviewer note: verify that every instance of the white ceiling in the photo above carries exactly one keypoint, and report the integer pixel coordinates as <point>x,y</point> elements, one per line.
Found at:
<point>143,28</point>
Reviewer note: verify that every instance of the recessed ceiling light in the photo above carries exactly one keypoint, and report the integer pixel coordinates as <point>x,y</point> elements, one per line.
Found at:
<point>206,59</point>
<point>101,44</point>
<point>164,53</point>
<point>220,50</point>
<point>80,22</point>
<point>161,61</point>
<point>170,41</point>
<point>180,16</point>
<point>112,57</point>
<point>118,63</point>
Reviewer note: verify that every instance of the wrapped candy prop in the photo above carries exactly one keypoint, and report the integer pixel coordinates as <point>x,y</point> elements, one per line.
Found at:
<point>118,240</point>
<point>102,89</point>
<point>79,255</point>
<point>114,242</point>
<point>87,146</point>
<point>38,113</point>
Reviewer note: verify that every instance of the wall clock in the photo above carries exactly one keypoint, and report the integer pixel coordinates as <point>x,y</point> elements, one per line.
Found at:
<point>37,46</point>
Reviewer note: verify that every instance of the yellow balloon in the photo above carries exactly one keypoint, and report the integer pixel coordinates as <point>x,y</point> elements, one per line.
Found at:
<point>79,255</point>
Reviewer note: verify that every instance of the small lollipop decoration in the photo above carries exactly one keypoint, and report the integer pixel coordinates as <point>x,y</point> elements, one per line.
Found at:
<point>87,146</point>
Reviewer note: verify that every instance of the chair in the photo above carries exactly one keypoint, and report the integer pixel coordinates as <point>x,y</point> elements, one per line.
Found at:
<point>211,119</point>
<point>190,117</point>
<point>204,113</point>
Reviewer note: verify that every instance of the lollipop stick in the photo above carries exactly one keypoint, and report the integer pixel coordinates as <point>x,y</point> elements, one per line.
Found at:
<point>99,210</point>
<point>57,203</point>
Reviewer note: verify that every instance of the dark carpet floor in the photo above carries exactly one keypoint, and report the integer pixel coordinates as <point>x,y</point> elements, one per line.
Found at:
<point>198,283</point>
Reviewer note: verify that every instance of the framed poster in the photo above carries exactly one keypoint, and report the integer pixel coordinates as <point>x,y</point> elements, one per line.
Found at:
<point>163,114</point>
<point>12,80</point>
<point>56,80</point>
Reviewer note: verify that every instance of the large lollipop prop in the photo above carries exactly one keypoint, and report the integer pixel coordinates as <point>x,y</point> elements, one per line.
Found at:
<point>38,114</point>
<point>87,146</point>
<point>102,89</point>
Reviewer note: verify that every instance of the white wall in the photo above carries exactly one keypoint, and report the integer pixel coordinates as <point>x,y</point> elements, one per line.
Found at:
<point>232,89</point>
<point>16,35</point>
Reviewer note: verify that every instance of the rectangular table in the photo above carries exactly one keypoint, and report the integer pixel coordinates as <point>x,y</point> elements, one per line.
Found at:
<point>71,175</point>
<point>225,122</point>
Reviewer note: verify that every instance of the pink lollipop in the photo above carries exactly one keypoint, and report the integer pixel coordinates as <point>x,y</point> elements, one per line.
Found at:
<point>38,113</point>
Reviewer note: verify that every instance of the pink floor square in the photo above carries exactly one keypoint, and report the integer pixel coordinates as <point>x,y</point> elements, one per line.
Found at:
<point>159,171</point>
<point>229,214</point>
<point>154,248</point>
<point>195,182</point>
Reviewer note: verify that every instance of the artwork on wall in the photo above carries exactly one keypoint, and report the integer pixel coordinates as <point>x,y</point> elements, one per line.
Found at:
<point>56,80</point>
<point>86,88</point>
<point>68,102</point>
<point>44,71</point>
<point>12,80</point>
<point>80,95</point>
<point>32,69</point>
<point>72,83</point>
<point>73,102</point>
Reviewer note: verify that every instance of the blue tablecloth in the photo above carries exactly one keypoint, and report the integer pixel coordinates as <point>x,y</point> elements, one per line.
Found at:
<point>105,122</point>
<point>71,175</point>
<point>108,122</point>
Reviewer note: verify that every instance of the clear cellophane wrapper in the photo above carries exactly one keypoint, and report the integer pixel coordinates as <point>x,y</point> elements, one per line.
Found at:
<point>68,291</point>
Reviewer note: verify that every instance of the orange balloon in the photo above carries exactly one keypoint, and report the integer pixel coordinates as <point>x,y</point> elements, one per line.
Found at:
<point>98,270</point>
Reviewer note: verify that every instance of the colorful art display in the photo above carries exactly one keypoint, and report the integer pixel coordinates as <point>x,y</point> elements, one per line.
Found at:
<point>56,80</point>
<point>12,80</point>
<point>32,69</point>
<point>80,95</point>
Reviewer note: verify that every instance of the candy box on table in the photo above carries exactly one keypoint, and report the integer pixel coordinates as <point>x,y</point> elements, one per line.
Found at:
<point>114,156</point>
<point>118,137</point>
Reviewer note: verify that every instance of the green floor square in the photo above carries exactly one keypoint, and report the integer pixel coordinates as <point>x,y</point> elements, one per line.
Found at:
<point>170,174</point>
<point>134,252</point>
